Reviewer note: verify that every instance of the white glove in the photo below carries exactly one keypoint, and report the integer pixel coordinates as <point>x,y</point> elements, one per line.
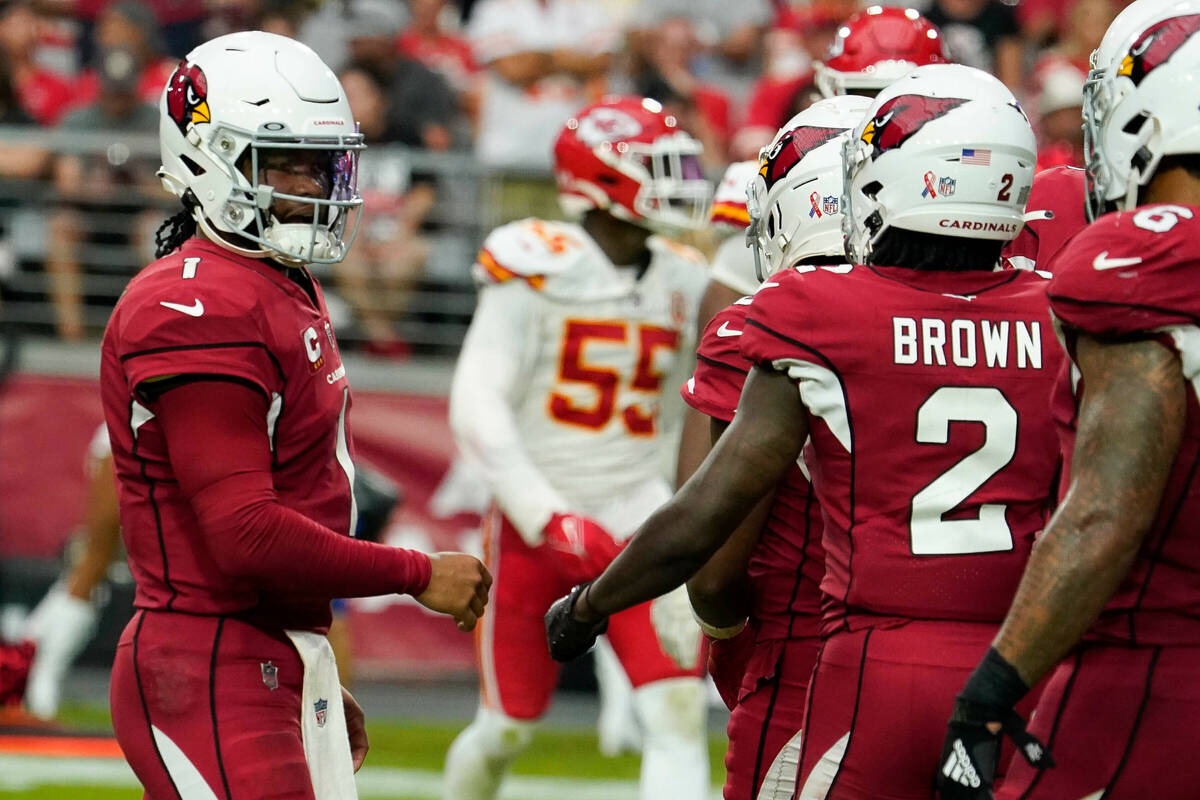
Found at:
<point>678,634</point>
<point>60,626</point>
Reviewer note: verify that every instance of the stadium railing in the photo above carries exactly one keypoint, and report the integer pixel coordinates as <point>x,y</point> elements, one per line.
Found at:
<point>429,314</point>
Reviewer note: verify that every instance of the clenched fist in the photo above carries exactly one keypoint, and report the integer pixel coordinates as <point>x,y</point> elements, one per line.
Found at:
<point>458,586</point>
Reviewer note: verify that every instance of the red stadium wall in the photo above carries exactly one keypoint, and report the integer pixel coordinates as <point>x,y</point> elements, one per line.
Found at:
<point>47,422</point>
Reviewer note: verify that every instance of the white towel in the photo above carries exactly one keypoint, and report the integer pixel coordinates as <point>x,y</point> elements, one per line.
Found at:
<point>323,720</point>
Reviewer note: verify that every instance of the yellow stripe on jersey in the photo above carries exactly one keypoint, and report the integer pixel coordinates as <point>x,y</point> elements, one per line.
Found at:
<point>500,274</point>
<point>731,214</point>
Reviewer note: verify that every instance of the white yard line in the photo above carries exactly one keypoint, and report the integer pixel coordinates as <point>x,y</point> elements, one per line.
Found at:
<point>28,772</point>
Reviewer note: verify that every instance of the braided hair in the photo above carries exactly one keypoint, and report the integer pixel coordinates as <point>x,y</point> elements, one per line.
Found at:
<point>176,229</point>
<point>930,251</point>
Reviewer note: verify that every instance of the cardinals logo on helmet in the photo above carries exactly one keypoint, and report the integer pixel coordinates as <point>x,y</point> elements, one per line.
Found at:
<point>1156,45</point>
<point>791,147</point>
<point>901,117</point>
<point>187,96</point>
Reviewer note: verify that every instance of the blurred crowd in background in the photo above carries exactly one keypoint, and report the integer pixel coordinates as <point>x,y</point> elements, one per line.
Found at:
<point>459,102</point>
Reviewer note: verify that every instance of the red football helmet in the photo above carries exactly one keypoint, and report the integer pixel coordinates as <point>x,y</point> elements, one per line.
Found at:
<point>877,46</point>
<point>624,155</point>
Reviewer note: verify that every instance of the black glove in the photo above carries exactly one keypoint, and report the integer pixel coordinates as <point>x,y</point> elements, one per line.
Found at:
<point>567,636</point>
<point>967,769</point>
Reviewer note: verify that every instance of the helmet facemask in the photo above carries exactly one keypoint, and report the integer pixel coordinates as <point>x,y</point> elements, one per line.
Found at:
<point>321,237</point>
<point>674,194</point>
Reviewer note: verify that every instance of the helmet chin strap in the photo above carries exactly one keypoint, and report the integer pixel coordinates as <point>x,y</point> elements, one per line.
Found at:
<point>216,237</point>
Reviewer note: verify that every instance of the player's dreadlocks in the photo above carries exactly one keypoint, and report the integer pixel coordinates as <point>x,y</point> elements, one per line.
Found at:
<point>931,251</point>
<point>177,229</point>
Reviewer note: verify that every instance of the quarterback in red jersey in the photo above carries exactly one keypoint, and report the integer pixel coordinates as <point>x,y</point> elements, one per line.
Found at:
<point>227,407</point>
<point>758,599</point>
<point>922,376</point>
<point>1112,593</point>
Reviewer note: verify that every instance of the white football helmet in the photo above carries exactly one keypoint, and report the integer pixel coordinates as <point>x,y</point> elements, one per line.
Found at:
<point>1134,111</point>
<point>795,197</point>
<point>230,100</point>
<point>944,150</point>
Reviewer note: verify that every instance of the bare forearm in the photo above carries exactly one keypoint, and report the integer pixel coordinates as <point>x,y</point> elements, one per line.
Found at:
<point>751,457</point>
<point>720,590</point>
<point>1070,577</point>
<point>1129,429</point>
<point>580,65</point>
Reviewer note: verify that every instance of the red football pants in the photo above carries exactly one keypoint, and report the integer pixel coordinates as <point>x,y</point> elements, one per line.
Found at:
<point>517,675</point>
<point>769,713</point>
<point>1121,723</point>
<point>878,706</point>
<point>191,702</point>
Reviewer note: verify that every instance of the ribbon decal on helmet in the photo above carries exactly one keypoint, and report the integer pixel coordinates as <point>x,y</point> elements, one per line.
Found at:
<point>929,191</point>
<point>815,200</point>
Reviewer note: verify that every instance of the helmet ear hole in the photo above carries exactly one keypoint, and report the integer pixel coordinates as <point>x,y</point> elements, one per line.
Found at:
<point>1136,123</point>
<point>192,166</point>
<point>872,189</point>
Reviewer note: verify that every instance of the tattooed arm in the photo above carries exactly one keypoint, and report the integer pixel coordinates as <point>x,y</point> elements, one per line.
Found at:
<point>1129,429</point>
<point>749,459</point>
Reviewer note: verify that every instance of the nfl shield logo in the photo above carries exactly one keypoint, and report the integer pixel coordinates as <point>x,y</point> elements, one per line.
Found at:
<point>320,707</point>
<point>946,186</point>
<point>829,205</point>
<point>270,675</point>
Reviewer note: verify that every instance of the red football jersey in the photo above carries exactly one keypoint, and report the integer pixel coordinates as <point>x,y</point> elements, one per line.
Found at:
<point>932,455</point>
<point>788,561</point>
<point>1055,212</point>
<point>205,310</point>
<point>1137,273</point>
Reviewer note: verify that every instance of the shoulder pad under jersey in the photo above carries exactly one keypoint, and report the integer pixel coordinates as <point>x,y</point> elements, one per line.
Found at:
<point>530,250</point>
<point>1130,272</point>
<point>729,199</point>
<point>1054,213</point>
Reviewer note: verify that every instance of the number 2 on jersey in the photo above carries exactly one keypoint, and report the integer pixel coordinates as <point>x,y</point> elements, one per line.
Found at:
<point>606,380</point>
<point>931,533</point>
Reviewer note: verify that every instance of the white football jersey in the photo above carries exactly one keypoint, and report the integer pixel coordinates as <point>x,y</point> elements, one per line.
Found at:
<point>560,387</point>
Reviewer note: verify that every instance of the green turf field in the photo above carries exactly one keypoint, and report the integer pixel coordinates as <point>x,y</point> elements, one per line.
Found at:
<point>404,764</point>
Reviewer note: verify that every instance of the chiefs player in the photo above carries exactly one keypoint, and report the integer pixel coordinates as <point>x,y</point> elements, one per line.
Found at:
<point>921,375</point>
<point>758,598</point>
<point>228,412</point>
<point>557,397</point>
<point>1113,589</point>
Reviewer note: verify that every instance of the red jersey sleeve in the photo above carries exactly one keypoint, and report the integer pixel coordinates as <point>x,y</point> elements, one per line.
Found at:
<point>174,326</point>
<point>220,453</point>
<point>1130,273</point>
<point>716,384</point>
<point>778,299</point>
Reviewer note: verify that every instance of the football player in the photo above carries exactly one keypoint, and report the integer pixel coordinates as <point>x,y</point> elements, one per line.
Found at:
<point>1055,212</point>
<point>921,374</point>
<point>64,621</point>
<point>1112,593</point>
<point>556,397</point>
<point>758,598</point>
<point>228,412</point>
<point>871,49</point>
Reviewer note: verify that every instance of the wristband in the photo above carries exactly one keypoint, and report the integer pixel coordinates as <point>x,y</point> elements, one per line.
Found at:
<point>714,632</point>
<point>995,684</point>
